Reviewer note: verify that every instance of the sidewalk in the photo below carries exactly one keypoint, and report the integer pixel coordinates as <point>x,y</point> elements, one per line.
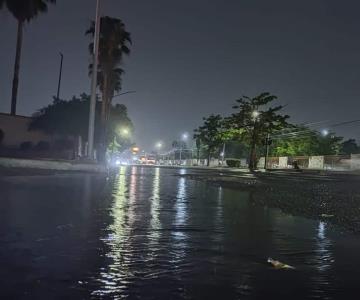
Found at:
<point>47,164</point>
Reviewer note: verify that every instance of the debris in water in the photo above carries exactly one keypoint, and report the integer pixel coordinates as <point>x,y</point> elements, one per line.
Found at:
<point>279,265</point>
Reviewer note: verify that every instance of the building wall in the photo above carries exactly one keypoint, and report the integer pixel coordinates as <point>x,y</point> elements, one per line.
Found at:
<point>316,162</point>
<point>16,131</point>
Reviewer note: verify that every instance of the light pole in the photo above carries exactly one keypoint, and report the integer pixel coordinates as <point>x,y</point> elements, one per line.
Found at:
<point>94,83</point>
<point>223,155</point>
<point>158,146</point>
<point>267,141</point>
<point>255,115</point>
<point>124,93</point>
<point>60,74</point>
<point>184,138</point>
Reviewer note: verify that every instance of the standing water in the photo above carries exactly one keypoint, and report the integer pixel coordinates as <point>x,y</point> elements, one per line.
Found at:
<point>149,233</point>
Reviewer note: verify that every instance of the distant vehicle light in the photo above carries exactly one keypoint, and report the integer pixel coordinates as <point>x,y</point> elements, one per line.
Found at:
<point>117,162</point>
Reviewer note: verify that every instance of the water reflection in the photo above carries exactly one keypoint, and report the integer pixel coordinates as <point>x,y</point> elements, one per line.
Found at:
<point>168,234</point>
<point>180,208</point>
<point>178,232</point>
<point>155,210</point>
<point>324,250</point>
<point>112,277</point>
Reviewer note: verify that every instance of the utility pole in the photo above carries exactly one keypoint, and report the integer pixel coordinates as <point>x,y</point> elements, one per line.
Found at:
<point>60,74</point>
<point>223,155</point>
<point>267,141</point>
<point>94,83</point>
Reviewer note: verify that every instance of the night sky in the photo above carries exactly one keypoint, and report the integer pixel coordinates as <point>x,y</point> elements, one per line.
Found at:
<point>191,58</point>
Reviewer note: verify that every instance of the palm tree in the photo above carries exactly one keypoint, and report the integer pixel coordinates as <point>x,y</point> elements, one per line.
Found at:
<point>114,42</point>
<point>22,10</point>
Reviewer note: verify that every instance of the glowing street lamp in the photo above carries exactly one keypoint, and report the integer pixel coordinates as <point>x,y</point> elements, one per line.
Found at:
<point>255,114</point>
<point>159,145</point>
<point>124,132</point>
<point>185,136</point>
<point>324,132</point>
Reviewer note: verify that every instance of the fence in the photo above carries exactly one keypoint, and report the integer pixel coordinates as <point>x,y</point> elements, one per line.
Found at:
<point>327,162</point>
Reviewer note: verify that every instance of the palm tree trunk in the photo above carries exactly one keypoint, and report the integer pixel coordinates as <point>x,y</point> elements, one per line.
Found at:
<point>17,67</point>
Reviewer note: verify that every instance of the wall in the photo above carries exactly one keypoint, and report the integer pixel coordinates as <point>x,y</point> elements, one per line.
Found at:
<point>316,162</point>
<point>15,130</point>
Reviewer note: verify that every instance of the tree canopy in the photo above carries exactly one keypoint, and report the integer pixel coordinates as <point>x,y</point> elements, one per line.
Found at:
<point>114,43</point>
<point>254,120</point>
<point>304,141</point>
<point>26,10</point>
<point>70,118</point>
<point>211,134</point>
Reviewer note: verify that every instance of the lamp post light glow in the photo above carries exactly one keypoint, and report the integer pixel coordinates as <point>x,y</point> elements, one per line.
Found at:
<point>185,136</point>
<point>255,114</point>
<point>325,132</point>
<point>124,132</point>
<point>159,145</point>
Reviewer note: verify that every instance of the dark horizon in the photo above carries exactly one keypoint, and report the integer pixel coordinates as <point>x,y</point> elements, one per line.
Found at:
<point>192,59</point>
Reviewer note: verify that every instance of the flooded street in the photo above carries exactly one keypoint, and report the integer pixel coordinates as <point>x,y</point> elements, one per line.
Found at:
<point>148,233</point>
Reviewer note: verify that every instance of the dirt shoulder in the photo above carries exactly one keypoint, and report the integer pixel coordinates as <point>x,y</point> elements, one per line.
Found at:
<point>334,198</point>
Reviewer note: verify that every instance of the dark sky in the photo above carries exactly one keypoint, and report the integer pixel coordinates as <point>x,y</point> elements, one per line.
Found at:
<point>192,58</point>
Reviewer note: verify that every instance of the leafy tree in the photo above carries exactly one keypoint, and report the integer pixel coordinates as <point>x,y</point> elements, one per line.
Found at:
<point>303,141</point>
<point>198,149</point>
<point>350,147</point>
<point>70,118</point>
<point>328,145</point>
<point>211,134</point>
<point>254,120</point>
<point>22,10</point>
<point>180,146</point>
<point>236,149</point>
<point>114,43</point>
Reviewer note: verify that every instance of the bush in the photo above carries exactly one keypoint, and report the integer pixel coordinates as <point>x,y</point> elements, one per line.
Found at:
<point>42,146</point>
<point>233,163</point>
<point>25,146</point>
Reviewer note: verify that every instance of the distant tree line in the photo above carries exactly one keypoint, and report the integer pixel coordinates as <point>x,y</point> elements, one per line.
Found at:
<point>255,125</point>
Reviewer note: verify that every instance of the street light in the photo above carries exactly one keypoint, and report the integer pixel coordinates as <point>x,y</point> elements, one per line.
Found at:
<point>124,93</point>
<point>184,137</point>
<point>255,114</point>
<point>159,145</point>
<point>124,131</point>
<point>324,132</point>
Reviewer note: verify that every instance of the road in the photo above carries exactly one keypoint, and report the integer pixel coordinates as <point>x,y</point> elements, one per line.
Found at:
<point>158,233</point>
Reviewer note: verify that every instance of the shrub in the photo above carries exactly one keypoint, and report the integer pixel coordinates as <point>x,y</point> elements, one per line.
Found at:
<point>42,146</point>
<point>25,146</point>
<point>233,163</point>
